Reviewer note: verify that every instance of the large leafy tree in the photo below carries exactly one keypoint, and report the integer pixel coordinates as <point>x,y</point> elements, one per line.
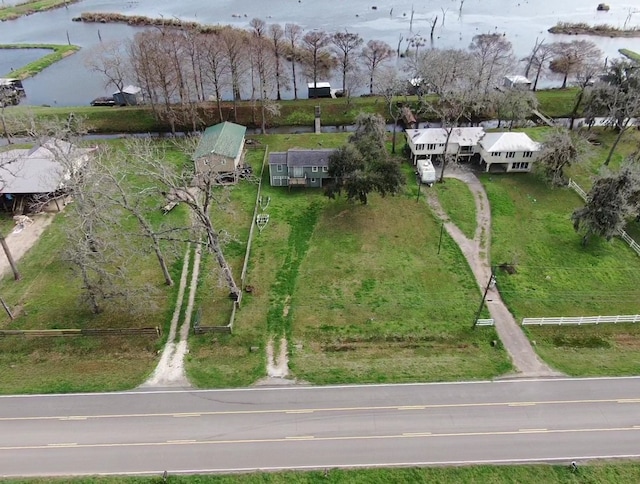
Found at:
<point>363,166</point>
<point>609,205</point>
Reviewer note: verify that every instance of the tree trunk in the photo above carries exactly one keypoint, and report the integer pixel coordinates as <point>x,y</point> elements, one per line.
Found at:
<point>615,143</point>
<point>393,138</point>
<point>576,106</point>
<point>12,263</point>
<point>564,81</point>
<point>293,75</point>
<point>214,246</point>
<point>371,83</point>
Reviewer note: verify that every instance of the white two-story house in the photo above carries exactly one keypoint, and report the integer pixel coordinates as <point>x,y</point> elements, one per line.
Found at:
<point>430,142</point>
<point>508,152</point>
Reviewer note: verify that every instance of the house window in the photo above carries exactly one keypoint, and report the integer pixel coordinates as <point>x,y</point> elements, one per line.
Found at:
<point>279,168</point>
<point>325,169</point>
<point>314,169</point>
<point>431,147</point>
<point>511,154</point>
<point>527,154</point>
<point>496,153</point>
<point>313,180</point>
<point>520,165</point>
<point>419,147</point>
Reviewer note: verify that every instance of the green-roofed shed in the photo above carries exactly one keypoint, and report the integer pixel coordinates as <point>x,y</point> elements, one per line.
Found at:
<point>220,149</point>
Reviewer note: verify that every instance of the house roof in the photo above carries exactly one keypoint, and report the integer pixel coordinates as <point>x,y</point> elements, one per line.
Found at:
<point>130,89</point>
<point>39,169</point>
<point>318,84</point>
<point>300,157</point>
<point>510,141</point>
<point>517,79</point>
<point>461,136</point>
<point>225,139</point>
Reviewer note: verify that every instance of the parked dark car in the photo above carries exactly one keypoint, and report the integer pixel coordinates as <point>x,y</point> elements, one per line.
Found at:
<point>103,101</point>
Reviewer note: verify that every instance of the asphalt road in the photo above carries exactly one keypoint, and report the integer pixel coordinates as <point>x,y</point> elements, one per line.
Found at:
<point>144,432</point>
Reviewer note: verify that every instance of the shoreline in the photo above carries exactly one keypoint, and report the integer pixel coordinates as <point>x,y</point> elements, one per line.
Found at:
<point>60,51</point>
<point>143,21</point>
<point>13,12</point>
<point>600,30</point>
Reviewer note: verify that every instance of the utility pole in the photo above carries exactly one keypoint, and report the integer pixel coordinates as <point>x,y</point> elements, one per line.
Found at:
<point>440,241</point>
<point>490,284</point>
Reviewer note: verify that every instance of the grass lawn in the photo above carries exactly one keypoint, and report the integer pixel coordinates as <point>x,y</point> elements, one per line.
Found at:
<point>50,296</point>
<point>459,204</point>
<point>593,473</point>
<point>557,276</point>
<point>360,291</point>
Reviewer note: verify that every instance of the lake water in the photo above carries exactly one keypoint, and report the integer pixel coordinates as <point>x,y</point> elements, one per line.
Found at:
<point>69,83</point>
<point>11,59</point>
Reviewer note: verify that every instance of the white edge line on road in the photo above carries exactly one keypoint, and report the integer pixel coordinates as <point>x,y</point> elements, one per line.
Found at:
<point>340,466</point>
<point>321,387</point>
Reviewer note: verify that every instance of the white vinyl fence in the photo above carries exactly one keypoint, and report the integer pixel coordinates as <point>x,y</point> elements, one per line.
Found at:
<point>578,320</point>
<point>623,235</point>
<point>484,322</point>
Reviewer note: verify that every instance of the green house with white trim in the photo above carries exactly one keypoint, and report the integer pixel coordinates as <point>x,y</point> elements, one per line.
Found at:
<point>221,149</point>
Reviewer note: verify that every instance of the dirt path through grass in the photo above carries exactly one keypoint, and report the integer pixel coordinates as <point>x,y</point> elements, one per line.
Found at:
<point>21,240</point>
<point>170,370</point>
<point>476,251</point>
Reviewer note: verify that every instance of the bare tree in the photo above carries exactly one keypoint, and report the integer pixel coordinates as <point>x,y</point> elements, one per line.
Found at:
<point>345,43</point>
<point>234,44</point>
<point>116,187</point>
<point>198,191</point>
<point>434,22</point>
<point>375,54</point>
<point>111,61</point>
<point>278,45</point>
<point>586,74</point>
<point>317,59</point>
<point>215,66</point>
<point>390,85</point>
<point>540,62</point>
<point>617,97</point>
<point>569,57</point>
<point>493,55</point>
<point>447,74</point>
<point>293,33</point>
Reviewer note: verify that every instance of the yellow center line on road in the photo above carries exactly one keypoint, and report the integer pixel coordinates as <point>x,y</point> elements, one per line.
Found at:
<point>327,409</point>
<point>424,435</point>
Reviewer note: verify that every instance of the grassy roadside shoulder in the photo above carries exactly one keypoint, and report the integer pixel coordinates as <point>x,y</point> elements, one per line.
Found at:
<point>60,51</point>
<point>12,12</point>
<point>591,473</point>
